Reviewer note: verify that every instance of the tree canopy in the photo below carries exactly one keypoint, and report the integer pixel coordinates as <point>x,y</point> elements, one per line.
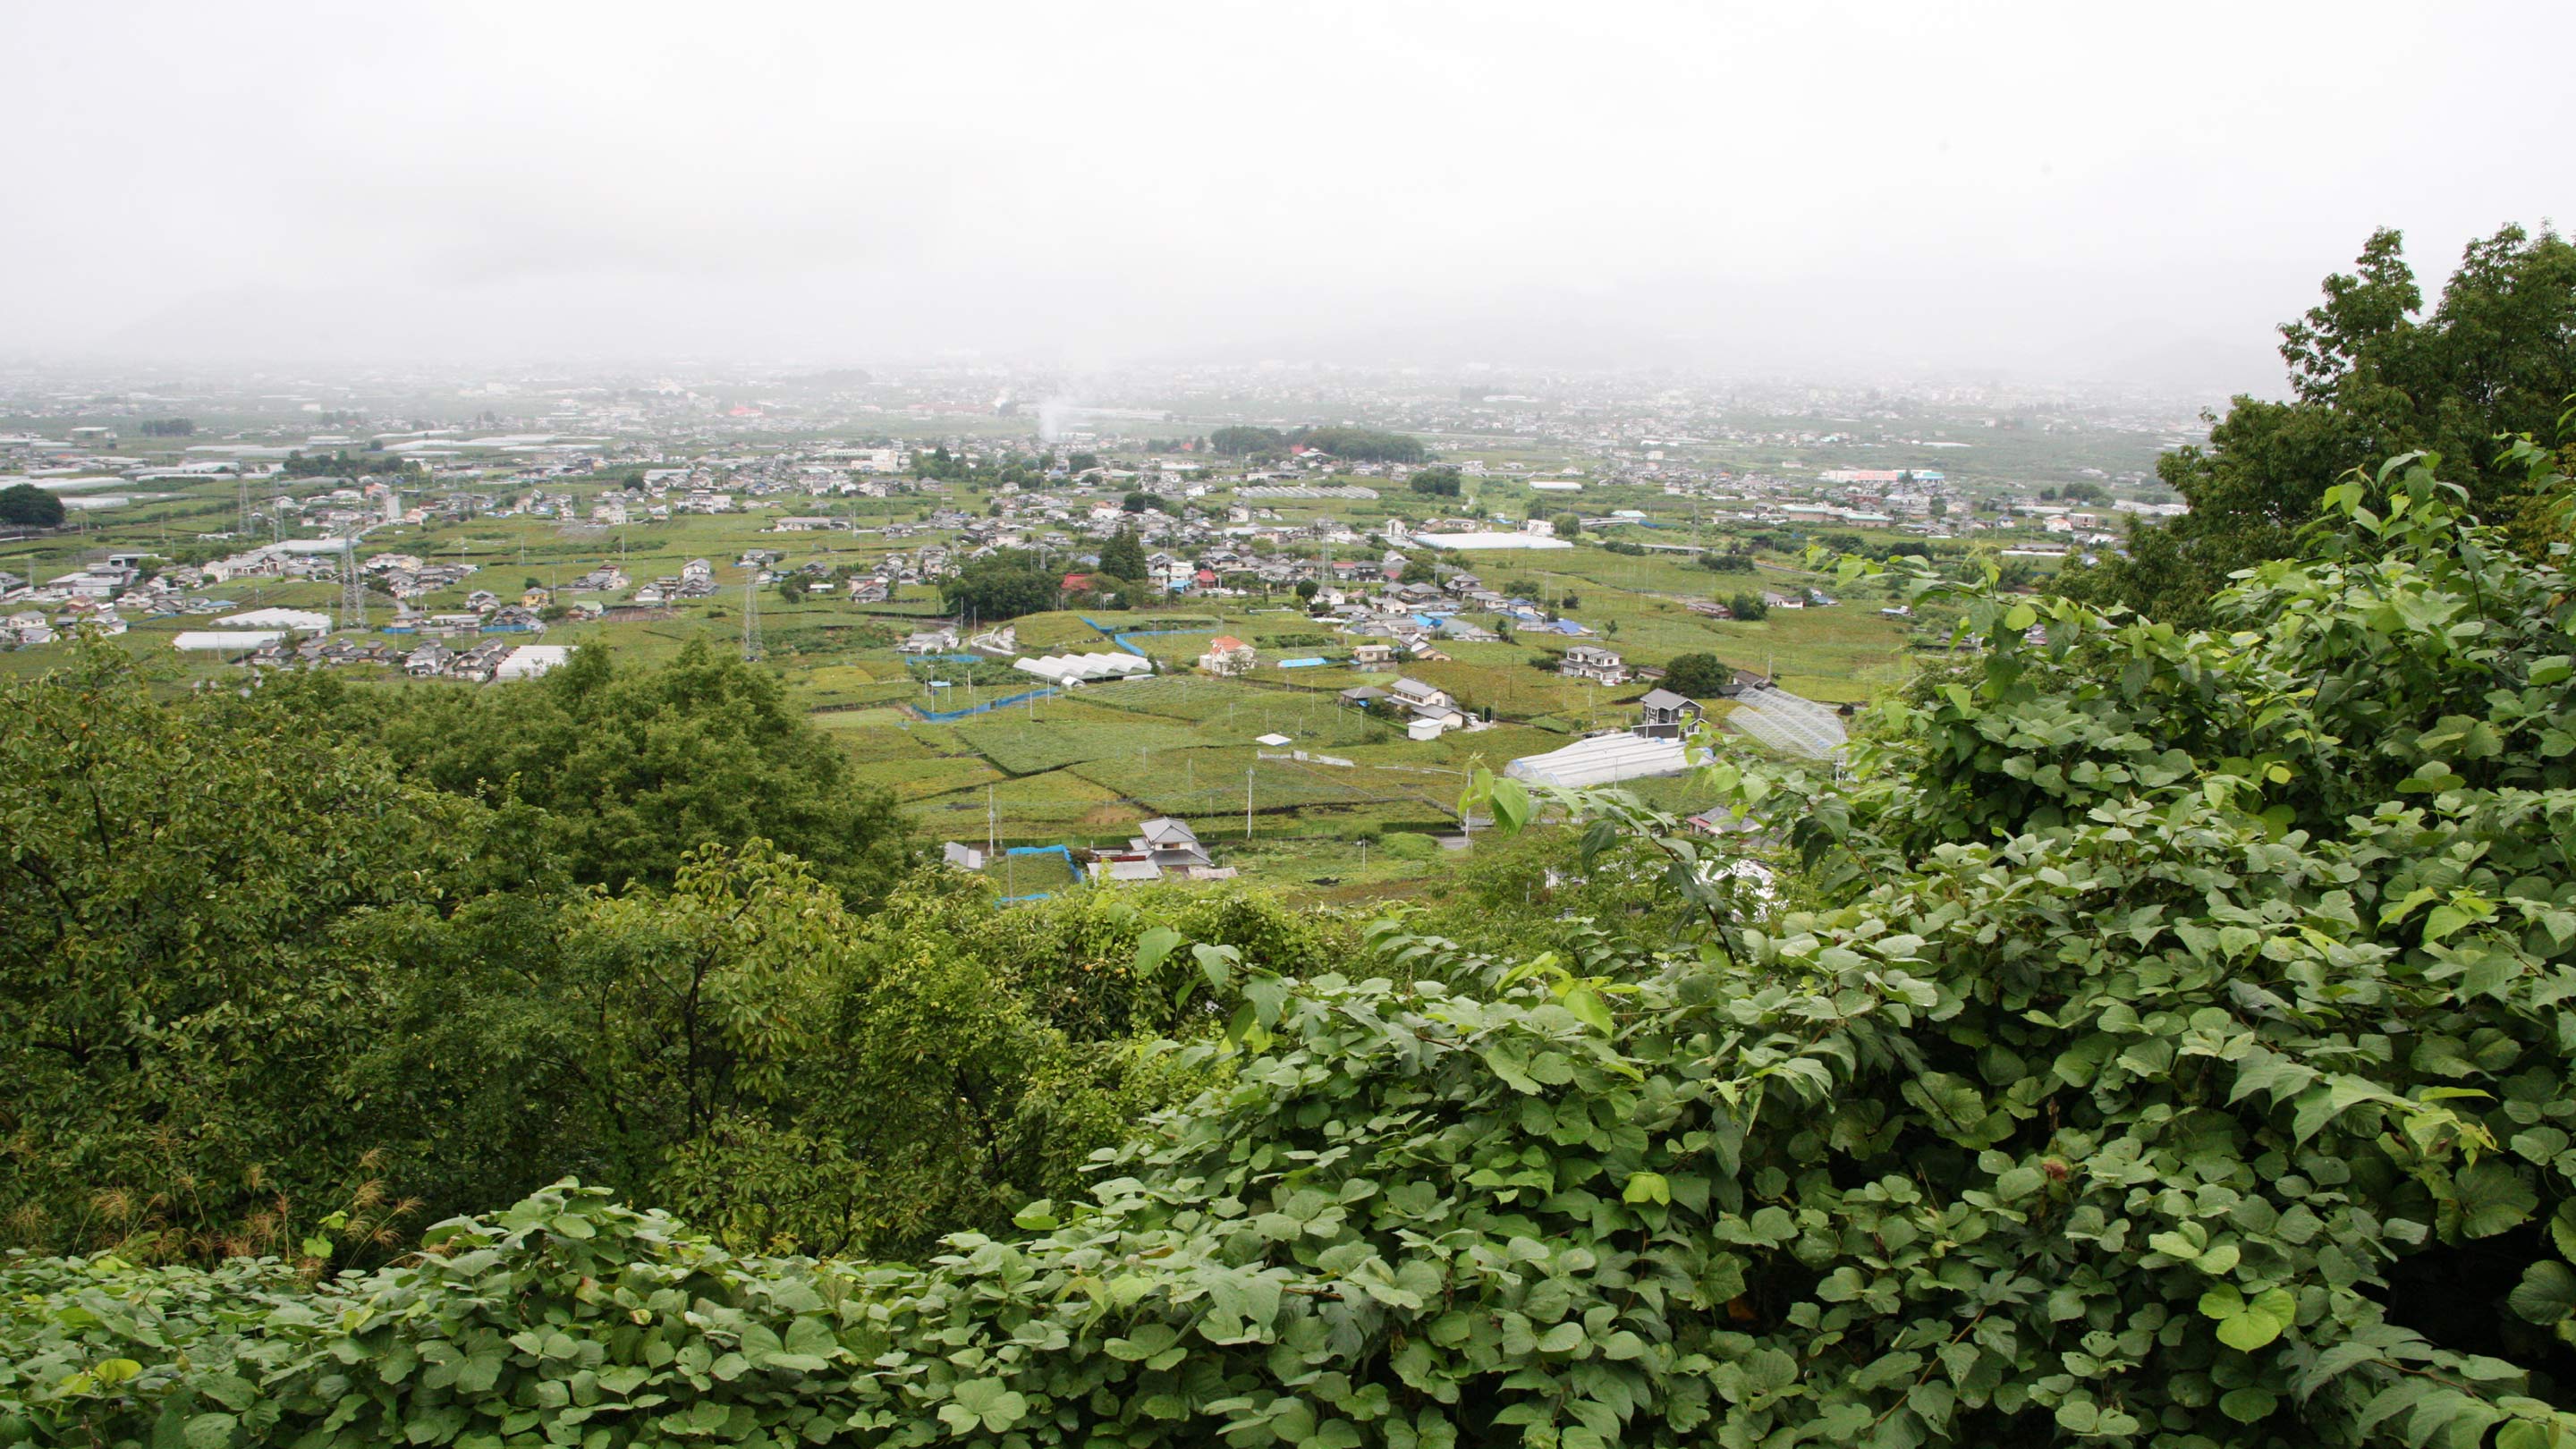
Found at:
<point>632,768</point>
<point>1123,557</point>
<point>2371,375</point>
<point>1236,442</point>
<point>1698,675</point>
<point>1002,585</point>
<point>1363,445</point>
<point>29,506</point>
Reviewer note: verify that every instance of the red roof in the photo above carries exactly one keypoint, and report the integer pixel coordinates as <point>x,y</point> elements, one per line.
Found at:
<point>1077,582</point>
<point>1225,642</point>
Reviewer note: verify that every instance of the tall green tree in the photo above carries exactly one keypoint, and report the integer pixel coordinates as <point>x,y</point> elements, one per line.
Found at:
<point>28,506</point>
<point>181,973</point>
<point>1004,585</point>
<point>2371,374</point>
<point>1698,675</point>
<point>1123,557</point>
<point>633,767</point>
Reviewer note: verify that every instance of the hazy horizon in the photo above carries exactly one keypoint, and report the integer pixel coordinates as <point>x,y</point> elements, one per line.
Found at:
<point>2027,192</point>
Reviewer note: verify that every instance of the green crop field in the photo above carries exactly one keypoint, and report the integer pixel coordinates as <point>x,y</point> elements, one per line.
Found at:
<point>919,779</point>
<point>1023,748</point>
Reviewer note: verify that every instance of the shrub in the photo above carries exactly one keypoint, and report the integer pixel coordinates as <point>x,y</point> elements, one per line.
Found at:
<point>1408,845</point>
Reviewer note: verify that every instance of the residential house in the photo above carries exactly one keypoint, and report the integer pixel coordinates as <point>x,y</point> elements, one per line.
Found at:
<point>942,640</point>
<point>1592,662</point>
<point>1426,702</point>
<point>1666,715</point>
<point>1170,844</point>
<point>1228,656</point>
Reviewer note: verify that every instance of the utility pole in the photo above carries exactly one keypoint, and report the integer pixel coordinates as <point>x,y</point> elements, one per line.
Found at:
<point>1247,802</point>
<point>751,616</point>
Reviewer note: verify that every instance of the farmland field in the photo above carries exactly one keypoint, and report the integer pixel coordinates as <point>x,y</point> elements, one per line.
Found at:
<point>1028,749</point>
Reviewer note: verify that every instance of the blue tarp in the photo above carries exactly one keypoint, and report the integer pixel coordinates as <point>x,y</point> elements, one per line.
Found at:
<point>1303,663</point>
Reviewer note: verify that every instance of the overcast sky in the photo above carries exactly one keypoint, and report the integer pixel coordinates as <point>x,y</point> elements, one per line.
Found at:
<point>2029,190</point>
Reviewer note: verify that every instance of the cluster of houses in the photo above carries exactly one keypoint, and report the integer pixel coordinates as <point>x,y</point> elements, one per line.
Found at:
<point>925,565</point>
<point>483,662</point>
<point>695,580</point>
<point>484,613</point>
<point>406,576</point>
<point>87,599</point>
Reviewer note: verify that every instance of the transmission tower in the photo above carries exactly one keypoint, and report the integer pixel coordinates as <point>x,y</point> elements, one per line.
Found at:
<point>751,617</point>
<point>353,594</point>
<point>245,506</point>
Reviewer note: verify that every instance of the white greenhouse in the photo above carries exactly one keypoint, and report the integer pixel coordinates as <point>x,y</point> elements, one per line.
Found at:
<point>305,620</point>
<point>1082,668</point>
<point>1601,760</point>
<point>225,641</point>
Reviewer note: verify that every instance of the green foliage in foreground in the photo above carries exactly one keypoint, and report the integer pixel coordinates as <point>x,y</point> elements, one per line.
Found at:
<point>259,982</point>
<point>2167,1046</point>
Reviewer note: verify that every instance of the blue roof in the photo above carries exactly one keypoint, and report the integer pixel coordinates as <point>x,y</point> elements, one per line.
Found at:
<point>1300,663</point>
